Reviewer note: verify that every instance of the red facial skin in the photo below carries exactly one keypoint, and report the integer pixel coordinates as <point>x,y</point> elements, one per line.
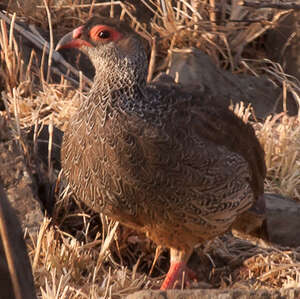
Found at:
<point>74,39</point>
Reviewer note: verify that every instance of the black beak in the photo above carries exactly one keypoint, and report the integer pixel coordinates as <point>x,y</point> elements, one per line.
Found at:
<point>66,41</point>
<point>72,40</point>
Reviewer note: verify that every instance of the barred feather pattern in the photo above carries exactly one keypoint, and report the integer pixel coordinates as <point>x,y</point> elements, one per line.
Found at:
<point>158,157</point>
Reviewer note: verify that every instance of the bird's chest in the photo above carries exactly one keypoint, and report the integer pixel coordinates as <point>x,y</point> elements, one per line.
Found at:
<point>102,160</point>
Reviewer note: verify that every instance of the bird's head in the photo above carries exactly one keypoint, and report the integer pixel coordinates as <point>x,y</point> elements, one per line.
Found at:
<point>106,41</point>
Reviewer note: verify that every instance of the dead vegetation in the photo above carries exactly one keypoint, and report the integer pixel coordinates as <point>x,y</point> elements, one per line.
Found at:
<point>79,255</point>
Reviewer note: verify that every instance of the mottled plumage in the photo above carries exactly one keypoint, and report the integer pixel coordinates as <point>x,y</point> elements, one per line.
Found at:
<point>156,157</point>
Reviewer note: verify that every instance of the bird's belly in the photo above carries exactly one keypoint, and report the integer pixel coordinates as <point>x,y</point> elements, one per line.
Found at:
<point>177,225</point>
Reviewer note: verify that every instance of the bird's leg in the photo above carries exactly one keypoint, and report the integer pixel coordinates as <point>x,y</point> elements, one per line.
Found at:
<point>178,260</point>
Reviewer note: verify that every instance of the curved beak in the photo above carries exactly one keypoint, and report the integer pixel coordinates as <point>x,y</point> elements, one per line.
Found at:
<point>72,40</point>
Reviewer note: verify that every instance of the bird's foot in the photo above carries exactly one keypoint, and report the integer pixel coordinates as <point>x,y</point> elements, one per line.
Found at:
<point>177,274</point>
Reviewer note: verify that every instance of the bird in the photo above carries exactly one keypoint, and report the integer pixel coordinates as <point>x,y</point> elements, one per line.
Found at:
<point>159,158</point>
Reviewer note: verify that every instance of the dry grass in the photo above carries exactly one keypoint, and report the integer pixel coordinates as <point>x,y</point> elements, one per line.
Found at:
<point>79,255</point>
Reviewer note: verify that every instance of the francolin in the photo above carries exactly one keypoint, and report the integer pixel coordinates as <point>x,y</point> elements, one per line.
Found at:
<point>157,157</point>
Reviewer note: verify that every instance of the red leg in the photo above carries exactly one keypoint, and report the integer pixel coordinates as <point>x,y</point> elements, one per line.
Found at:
<point>177,267</point>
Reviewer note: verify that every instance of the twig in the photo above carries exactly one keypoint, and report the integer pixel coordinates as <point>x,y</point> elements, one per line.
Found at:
<point>164,8</point>
<point>152,60</point>
<point>14,250</point>
<point>8,248</point>
<point>158,251</point>
<point>50,130</point>
<point>260,4</point>
<point>13,19</point>
<point>43,227</point>
<point>91,9</point>
<point>212,14</point>
<point>41,43</point>
<point>106,244</point>
<point>82,5</point>
<point>51,41</point>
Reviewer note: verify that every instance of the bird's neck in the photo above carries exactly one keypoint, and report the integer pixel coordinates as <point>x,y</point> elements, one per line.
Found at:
<point>115,78</point>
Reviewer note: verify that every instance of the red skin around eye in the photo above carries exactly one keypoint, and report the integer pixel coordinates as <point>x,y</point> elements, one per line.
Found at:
<point>74,38</point>
<point>114,35</point>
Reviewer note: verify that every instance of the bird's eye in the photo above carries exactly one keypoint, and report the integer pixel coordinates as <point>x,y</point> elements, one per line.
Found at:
<point>104,34</point>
